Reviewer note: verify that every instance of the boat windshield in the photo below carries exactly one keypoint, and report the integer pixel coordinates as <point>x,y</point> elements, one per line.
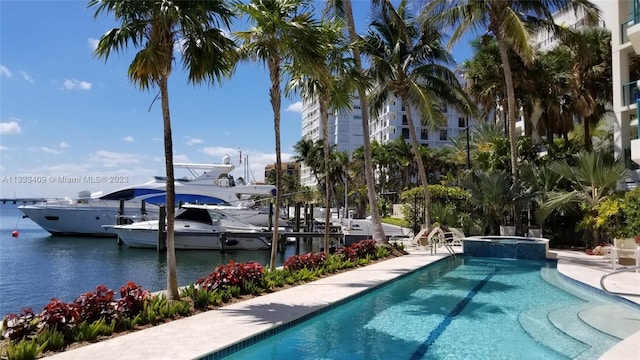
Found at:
<point>195,214</point>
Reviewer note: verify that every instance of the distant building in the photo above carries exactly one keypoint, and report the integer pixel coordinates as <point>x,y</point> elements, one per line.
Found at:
<point>345,129</point>
<point>288,168</point>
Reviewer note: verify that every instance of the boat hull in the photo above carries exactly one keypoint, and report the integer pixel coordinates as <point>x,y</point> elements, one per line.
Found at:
<point>80,220</point>
<point>190,237</point>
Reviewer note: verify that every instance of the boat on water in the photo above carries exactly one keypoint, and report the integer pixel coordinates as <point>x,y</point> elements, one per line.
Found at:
<point>197,227</point>
<point>88,214</point>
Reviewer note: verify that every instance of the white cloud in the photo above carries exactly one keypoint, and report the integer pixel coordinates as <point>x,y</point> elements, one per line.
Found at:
<point>113,159</point>
<point>193,141</point>
<point>220,152</point>
<point>64,145</point>
<point>73,84</point>
<point>51,150</point>
<point>11,127</point>
<point>295,107</point>
<point>3,148</point>
<point>128,139</point>
<point>93,43</point>
<point>180,158</point>
<point>27,77</point>
<point>4,71</point>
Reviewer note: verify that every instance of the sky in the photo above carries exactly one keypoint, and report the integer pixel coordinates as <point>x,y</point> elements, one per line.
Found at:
<point>65,113</point>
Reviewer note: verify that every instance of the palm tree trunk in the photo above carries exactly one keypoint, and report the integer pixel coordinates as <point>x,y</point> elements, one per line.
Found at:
<point>587,134</point>
<point>275,96</point>
<point>327,187</point>
<point>421,169</point>
<point>511,106</point>
<point>376,222</point>
<point>172,277</point>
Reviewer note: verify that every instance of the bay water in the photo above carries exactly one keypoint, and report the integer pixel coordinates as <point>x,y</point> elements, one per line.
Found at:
<point>36,267</point>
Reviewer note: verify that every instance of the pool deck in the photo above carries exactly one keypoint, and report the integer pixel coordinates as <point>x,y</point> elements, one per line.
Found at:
<point>199,335</point>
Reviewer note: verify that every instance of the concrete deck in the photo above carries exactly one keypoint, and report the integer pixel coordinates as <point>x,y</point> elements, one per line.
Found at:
<point>205,333</point>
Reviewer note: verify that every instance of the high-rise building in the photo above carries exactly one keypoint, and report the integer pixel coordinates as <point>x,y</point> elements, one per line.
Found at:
<point>345,129</point>
<point>622,17</point>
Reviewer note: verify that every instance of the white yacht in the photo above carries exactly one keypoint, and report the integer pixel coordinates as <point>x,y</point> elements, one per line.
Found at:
<point>88,214</point>
<point>197,227</point>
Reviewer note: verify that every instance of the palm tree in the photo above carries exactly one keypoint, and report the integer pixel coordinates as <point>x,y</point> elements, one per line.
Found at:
<point>410,63</point>
<point>590,76</point>
<point>157,27</point>
<point>332,86</point>
<point>343,9</point>
<point>509,22</point>
<point>284,32</point>
<point>591,180</point>
<point>310,154</point>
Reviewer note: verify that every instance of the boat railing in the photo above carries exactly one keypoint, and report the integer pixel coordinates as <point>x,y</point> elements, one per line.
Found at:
<point>635,268</point>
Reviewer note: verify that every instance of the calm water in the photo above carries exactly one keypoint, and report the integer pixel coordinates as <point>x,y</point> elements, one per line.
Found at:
<point>35,267</point>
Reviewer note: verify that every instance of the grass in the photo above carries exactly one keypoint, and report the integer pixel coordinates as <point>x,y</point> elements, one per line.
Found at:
<point>396,221</point>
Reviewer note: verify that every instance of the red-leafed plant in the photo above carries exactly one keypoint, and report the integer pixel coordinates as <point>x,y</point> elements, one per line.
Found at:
<point>97,304</point>
<point>19,326</point>
<point>347,253</point>
<point>132,299</point>
<point>232,274</point>
<point>364,248</point>
<point>60,316</point>
<point>309,261</point>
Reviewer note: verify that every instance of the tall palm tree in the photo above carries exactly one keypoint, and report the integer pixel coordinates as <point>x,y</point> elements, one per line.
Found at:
<point>157,27</point>
<point>590,76</point>
<point>331,86</point>
<point>283,32</point>
<point>409,62</point>
<point>343,9</point>
<point>509,22</point>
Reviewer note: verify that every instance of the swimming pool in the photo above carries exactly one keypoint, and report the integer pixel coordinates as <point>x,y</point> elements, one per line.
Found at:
<point>468,308</point>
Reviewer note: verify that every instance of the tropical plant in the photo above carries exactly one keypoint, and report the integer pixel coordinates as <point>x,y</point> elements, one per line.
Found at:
<point>158,27</point>
<point>509,21</point>
<point>409,62</point>
<point>284,32</point>
<point>496,195</point>
<point>344,10</point>
<point>591,181</point>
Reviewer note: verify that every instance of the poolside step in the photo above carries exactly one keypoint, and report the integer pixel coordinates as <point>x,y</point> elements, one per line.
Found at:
<point>536,324</point>
<point>616,320</point>
<point>567,320</point>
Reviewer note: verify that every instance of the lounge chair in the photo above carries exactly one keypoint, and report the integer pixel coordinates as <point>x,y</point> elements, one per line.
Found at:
<point>454,235</point>
<point>430,239</point>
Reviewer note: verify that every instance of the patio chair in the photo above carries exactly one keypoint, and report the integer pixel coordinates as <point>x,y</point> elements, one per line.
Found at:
<point>454,236</point>
<point>625,252</point>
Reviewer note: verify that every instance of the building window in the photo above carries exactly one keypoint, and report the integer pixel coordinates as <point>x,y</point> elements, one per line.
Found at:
<point>405,133</point>
<point>462,122</point>
<point>444,108</point>
<point>443,134</point>
<point>404,120</point>
<point>424,134</point>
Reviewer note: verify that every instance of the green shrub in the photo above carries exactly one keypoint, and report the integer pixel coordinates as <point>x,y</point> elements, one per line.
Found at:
<point>53,339</point>
<point>24,350</point>
<point>86,331</point>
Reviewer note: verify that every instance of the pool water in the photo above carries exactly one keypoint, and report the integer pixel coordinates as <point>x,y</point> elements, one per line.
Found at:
<point>467,308</point>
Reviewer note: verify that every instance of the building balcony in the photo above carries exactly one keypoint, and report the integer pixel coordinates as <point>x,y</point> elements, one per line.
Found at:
<point>630,93</point>
<point>632,28</point>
